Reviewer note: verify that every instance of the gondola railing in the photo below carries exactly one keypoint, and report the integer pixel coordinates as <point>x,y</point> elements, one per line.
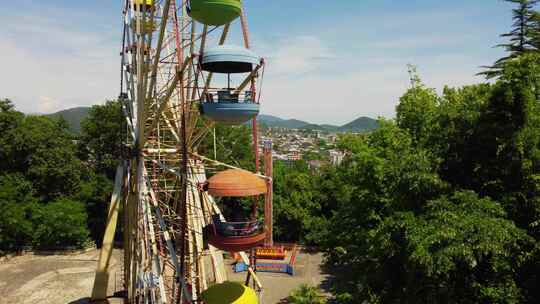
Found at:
<point>237,229</point>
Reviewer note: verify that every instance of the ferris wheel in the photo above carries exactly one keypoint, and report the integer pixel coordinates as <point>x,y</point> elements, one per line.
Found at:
<point>182,72</point>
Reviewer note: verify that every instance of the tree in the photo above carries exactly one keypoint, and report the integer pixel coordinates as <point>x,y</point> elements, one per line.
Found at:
<point>535,40</point>
<point>383,174</point>
<point>522,187</point>
<point>417,109</point>
<point>16,206</point>
<point>521,39</point>
<point>504,144</point>
<point>9,121</point>
<point>234,145</point>
<point>297,209</point>
<point>461,249</point>
<point>101,139</point>
<point>42,150</point>
<point>59,224</point>
<point>452,141</point>
<point>95,192</point>
<point>39,171</point>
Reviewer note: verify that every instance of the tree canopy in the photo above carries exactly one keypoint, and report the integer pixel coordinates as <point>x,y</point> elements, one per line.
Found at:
<point>522,39</point>
<point>49,196</point>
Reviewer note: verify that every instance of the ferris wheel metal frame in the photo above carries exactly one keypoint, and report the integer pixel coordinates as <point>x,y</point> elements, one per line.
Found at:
<point>157,189</point>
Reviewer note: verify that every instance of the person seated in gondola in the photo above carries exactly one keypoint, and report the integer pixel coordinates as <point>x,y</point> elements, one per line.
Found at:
<point>209,97</point>
<point>248,97</point>
<point>227,95</point>
<point>253,228</point>
<point>239,225</point>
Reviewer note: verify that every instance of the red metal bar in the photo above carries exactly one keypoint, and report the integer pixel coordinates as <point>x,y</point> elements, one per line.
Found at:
<point>268,207</point>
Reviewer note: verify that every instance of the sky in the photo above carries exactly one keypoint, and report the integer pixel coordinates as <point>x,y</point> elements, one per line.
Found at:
<point>329,61</point>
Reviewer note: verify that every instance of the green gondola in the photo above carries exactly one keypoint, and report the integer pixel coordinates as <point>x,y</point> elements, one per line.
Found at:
<point>214,12</point>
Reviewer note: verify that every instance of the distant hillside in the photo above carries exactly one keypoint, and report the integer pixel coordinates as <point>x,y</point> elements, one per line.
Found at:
<point>73,116</point>
<point>360,124</point>
<point>276,122</point>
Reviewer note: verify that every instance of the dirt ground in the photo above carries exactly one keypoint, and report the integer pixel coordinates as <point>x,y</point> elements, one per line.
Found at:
<point>57,279</point>
<point>53,279</point>
<point>277,287</point>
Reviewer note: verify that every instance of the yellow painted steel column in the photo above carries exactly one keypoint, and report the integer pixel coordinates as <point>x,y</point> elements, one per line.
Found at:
<point>101,281</point>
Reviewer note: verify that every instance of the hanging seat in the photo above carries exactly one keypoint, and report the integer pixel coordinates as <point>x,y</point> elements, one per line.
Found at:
<point>214,12</point>
<point>147,26</point>
<point>229,292</point>
<point>133,48</point>
<point>229,59</point>
<point>226,106</point>
<point>132,69</point>
<point>230,113</point>
<point>238,235</point>
<point>235,236</point>
<point>138,5</point>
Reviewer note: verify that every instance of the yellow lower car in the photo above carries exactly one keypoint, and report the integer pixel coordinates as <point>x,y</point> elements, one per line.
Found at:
<point>229,292</point>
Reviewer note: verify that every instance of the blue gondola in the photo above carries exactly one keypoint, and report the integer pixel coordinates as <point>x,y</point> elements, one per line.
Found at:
<point>229,109</point>
<point>227,106</point>
<point>229,59</point>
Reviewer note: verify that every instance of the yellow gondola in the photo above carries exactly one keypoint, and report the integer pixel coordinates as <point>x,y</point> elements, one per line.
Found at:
<point>229,293</point>
<point>139,4</point>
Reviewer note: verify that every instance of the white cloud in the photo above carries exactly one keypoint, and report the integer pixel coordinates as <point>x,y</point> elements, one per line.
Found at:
<point>48,64</point>
<point>47,104</point>
<point>296,55</point>
<point>342,88</point>
<point>324,74</point>
<point>422,41</point>
<point>334,99</point>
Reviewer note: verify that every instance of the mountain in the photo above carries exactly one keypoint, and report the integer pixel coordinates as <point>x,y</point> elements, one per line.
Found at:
<point>276,122</point>
<point>360,124</point>
<point>73,116</point>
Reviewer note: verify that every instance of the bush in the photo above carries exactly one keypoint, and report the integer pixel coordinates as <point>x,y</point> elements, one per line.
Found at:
<point>60,223</point>
<point>461,250</point>
<point>306,294</point>
<point>16,207</point>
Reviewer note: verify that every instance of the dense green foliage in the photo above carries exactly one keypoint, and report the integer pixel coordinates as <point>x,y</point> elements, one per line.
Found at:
<point>60,223</point>
<point>53,194</point>
<point>16,204</point>
<point>297,203</point>
<point>232,145</point>
<point>442,206</point>
<point>100,142</point>
<point>41,149</point>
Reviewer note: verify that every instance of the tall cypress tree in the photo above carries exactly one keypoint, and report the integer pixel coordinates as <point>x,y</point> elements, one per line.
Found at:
<point>521,39</point>
<point>535,36</point>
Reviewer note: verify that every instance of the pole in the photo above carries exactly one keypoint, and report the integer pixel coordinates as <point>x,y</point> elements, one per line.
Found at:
<point>101,282</point>
<point>268,206</point>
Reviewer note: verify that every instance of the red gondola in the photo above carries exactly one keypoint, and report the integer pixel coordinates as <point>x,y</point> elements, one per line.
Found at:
<point>237,235</point>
